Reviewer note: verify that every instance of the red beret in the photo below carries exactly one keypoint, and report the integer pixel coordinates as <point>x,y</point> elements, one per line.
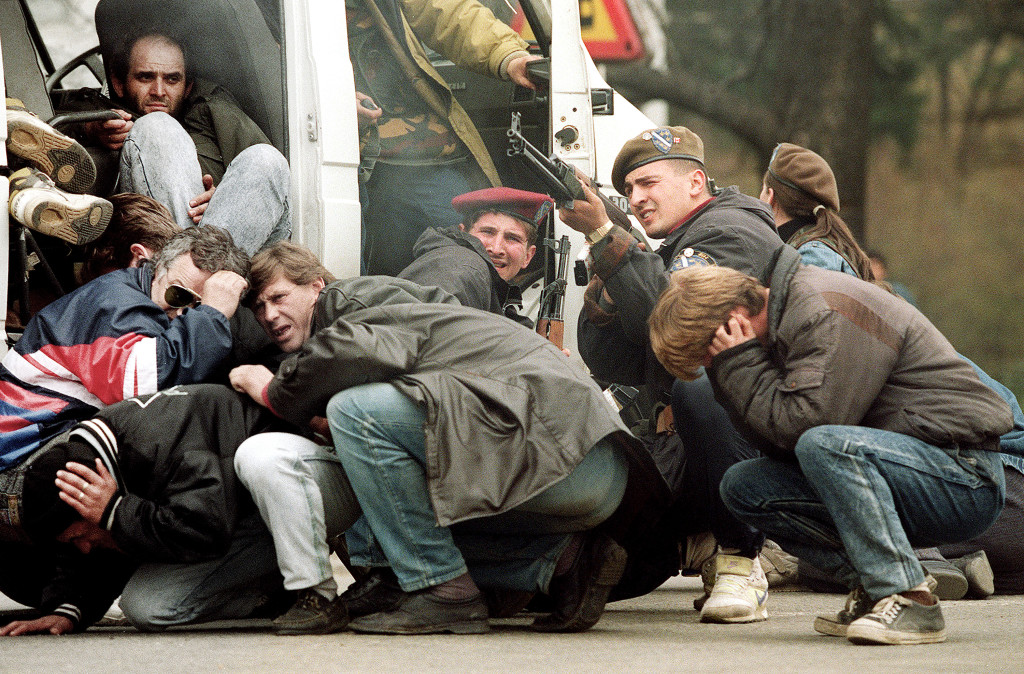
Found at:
<point>530,207</point>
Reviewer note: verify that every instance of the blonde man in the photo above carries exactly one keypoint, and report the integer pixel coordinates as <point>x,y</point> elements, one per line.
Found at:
<point>861,408</point>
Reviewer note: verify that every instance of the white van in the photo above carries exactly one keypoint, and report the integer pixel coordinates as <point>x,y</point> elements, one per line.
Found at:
<point>287,63</point>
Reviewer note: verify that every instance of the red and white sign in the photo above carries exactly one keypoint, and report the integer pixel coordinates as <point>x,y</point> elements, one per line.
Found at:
<point>607,28</point>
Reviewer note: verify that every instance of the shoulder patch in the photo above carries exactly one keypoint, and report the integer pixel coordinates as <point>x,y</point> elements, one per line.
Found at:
<point>691,258</point>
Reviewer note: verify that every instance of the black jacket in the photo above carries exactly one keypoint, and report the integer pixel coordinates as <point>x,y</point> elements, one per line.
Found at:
<point>178,499</point>
<point>455,261</point>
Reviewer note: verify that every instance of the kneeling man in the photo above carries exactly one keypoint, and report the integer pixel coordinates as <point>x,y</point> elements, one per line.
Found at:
<point>477,451</point>
<point>876,436</point>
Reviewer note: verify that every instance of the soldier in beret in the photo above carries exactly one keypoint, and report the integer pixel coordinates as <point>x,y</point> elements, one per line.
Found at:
<point>801,189</point>
<point>477,260</point>
<point>662,173</point>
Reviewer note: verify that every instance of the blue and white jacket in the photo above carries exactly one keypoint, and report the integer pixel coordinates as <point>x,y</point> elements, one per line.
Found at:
<point>104,342</point>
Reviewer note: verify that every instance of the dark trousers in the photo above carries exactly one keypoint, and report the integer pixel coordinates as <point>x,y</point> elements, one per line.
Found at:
<point>712,446</point>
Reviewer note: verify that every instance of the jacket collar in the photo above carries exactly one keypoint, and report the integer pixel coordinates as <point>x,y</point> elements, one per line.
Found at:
<point>777,278</point>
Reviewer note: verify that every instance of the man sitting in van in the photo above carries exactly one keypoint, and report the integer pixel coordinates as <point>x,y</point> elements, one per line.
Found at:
<point>180,136</point>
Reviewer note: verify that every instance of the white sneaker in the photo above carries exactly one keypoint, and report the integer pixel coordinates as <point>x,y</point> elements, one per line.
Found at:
<point>40,205</point>
<point>740,592</point>
<point>58,156</point>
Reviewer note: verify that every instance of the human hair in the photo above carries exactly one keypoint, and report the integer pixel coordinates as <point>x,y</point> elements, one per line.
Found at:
<point>136,219</point>
<point>212,250</point>
<point>121,59</point>
<point>697,301</point>
<point>878,256</point>
<point>684,166</point>
<point>799,203</point>
<point>296,263</point>
<point>529,227</point>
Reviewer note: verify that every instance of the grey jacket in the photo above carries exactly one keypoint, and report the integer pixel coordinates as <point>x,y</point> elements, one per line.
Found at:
<point>507,414</point>
<point>455,261</point>
<point>731,230</point>
<point>843,351</point>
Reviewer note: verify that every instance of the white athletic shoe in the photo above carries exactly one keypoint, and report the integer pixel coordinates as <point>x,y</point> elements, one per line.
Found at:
<point>740,592</point>
<point>40,205</point>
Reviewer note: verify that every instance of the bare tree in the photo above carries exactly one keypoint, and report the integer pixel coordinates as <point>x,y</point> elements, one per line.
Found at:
<point>778,70</point>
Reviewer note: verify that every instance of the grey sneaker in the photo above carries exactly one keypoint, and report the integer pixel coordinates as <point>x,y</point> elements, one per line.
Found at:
<point>312,613</point>
<point>780,567</point>
<point>980,578</point>
<point>898,620</point>
<point>858,605</point>
<point>951,583</point>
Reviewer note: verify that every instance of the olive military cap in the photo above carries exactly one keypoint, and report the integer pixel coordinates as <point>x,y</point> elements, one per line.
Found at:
<point>667,142</point>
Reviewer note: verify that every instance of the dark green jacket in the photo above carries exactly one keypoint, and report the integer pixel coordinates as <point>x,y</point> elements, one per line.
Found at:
<point>218,127</point>
<point>507,414</point>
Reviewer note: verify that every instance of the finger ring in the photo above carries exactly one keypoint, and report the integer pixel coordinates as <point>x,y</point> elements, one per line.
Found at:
<point>81,494</point>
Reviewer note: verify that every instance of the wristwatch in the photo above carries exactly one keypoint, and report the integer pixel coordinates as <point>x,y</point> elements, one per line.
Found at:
<point>599,233</point>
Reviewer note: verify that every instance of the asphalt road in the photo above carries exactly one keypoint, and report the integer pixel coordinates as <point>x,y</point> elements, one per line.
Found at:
<point>659,632</point>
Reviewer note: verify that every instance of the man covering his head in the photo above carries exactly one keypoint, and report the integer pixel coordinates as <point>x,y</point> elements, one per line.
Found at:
<point>127,333</point>
<point>876,435</point>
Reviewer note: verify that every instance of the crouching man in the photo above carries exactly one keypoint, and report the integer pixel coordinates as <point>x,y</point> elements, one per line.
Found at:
<point>876,436</point>
<point>141,501</point>
<point>477,451</point>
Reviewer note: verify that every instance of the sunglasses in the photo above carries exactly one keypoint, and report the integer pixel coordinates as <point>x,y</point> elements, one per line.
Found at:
<point>179,297</point>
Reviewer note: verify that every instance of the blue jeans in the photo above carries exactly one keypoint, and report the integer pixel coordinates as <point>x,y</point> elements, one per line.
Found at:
<point>232,586</point>
<point>251,202</point>
<point>403,201</point>
<point>857,500</point>
<point>378,432</point>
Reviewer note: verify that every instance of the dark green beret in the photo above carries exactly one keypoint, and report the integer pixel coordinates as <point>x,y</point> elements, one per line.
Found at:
<point>667,142</point>
<point>805,171</point>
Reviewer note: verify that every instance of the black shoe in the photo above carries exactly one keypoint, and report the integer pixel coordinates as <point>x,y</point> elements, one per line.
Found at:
<point>312,613</point>
<point>424,613</point>
<point>376,592</point>
<point>581,593</point>
<point>504,603</point>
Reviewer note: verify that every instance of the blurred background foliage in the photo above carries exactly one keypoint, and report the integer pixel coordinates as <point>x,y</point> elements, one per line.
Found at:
<point>918,105</point>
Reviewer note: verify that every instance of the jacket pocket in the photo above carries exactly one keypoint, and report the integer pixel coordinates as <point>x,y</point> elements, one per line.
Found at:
<point>801,380</point>
<point>929,430</point>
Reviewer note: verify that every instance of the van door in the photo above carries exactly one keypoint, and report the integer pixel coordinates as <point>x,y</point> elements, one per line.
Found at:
<point>324,139</point>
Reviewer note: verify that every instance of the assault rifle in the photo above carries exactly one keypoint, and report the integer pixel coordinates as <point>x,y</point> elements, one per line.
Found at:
<point>558,177</point>
<point>550,322</point>
<point>562,183</point>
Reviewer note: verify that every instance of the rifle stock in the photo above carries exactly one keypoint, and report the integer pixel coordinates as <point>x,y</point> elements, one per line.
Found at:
<point>553,331</point>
